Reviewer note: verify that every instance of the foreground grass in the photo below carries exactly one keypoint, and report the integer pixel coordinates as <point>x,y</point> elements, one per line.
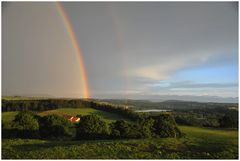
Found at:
<point>106,116</point>
<point>198,143</point>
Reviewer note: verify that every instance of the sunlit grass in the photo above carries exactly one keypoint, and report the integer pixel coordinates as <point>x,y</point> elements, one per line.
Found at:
<point>198,143</point>
<point>106,116</point>
<point>8,116</point>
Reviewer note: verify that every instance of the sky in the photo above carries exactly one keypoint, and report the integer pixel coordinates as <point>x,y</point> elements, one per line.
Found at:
<point>134,50</point>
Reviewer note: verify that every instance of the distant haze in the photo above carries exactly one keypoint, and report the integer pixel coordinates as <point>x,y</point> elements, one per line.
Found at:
<point>137,50</point>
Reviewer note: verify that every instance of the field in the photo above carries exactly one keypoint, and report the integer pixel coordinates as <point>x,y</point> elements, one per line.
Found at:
<point>107,116</point>
<point>8,116</point>
<point>198,143</point>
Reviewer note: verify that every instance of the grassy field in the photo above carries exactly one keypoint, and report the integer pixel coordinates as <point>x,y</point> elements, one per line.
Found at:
<point>8,116</point>
<point>198,143</point>
<point>107,116</point>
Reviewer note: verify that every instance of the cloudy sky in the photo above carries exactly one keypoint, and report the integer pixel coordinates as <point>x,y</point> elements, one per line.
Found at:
<point>130,49</point>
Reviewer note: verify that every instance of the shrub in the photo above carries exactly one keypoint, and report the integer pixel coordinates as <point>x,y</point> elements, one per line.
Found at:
<point>145,127</point>
<point>54,126</point>
<point>25,125</point>
<point>165,126</point>
<point>123,129</point>
<point>120,129</point>
<point>91,127</point>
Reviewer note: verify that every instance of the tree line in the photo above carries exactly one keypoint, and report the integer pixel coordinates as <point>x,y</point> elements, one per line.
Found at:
<point>29,125</point>
<point>216,117</point>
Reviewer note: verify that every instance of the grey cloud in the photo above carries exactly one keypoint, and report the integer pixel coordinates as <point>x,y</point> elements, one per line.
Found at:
<point>37,54</point>
<point>152,40</point>
<point>187,84</point>
<point>125,45</point>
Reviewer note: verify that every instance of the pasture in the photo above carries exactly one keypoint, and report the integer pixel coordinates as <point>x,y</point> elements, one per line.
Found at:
<point>106,116</point>
<point>197,143</point>
<point>8,116</point>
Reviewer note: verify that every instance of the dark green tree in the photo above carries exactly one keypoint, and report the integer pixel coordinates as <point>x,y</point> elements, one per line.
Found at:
<point>165,126</point>
<point>145,127</point>
<point>54,126</point>
<point>26,125</point>
<point>229,120</point>
<point>91,127</point>
<point>121,129</point>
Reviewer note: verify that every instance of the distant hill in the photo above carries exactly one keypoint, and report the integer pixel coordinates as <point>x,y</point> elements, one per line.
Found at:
<point>195,98</point>
<point>161,98</point>
<point>170,104</point>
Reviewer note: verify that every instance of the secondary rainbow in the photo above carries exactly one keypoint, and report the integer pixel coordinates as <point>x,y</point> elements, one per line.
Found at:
<point>77,49</point>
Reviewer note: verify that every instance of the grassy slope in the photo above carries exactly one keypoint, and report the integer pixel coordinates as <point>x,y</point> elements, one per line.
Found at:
<point>223,141</point>
<point>107,116</point>
<point>198,143</point>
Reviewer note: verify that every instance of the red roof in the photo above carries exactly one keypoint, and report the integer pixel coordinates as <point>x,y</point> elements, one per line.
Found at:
<point>75,119</point>
<point>72,118</point>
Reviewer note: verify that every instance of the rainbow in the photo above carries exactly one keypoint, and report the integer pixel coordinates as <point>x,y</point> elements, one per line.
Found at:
<point>76,47</point>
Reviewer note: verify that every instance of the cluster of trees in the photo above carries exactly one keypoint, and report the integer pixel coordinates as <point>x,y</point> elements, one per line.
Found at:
<point>93,127</point>
<point>195,119</point>
<point>215,117</point>
<point>25,125</point>
<point>50,104</point>
<point>28,125</point>
<point>229,120</point>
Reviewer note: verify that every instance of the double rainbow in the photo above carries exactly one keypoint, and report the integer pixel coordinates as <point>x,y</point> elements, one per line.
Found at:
<point>69,28</point>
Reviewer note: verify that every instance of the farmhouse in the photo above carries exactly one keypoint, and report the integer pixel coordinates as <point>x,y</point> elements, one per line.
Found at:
<point>72,118</point>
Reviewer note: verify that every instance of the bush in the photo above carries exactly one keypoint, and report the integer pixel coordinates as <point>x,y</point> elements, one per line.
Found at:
<point>25,125</point>
<point>165,126</point>
<point>120,129</point>
<point>91,127</point>
<point>123,129</point>
<point>54,126</point>
<point>145,127</point>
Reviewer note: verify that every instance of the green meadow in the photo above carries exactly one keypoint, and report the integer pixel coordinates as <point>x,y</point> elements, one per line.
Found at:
<point>106,116</point>
<point>8,116</point>
<point>197,143</point>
